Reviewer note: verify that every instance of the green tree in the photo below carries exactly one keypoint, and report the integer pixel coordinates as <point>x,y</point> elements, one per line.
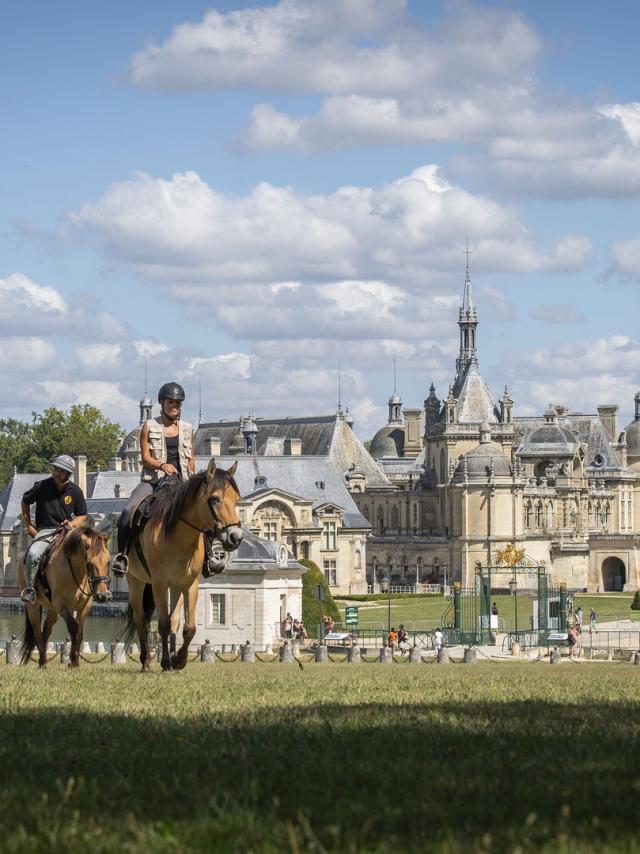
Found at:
<point>310,604</point>
<point>81,430</point>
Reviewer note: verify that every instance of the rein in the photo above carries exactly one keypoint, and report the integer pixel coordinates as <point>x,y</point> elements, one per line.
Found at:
<point>92,579</point>
<point>220,528</point>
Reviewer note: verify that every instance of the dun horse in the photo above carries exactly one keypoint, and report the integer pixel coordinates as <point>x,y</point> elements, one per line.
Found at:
<point>77,573</point>
<point>170,553</point>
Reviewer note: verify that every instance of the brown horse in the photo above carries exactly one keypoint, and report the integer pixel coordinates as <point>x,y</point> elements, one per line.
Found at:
<point>77,573</point>
<point>170,553</point>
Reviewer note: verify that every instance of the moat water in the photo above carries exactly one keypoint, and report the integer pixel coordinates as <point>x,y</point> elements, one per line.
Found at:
<point>95,628</point>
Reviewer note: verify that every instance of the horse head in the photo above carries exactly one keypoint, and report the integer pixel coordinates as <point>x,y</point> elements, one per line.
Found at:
<point>93,548</point>
<point>222,496</point>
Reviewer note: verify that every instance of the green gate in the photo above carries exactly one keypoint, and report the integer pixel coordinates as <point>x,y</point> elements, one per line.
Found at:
<point>467,620</point>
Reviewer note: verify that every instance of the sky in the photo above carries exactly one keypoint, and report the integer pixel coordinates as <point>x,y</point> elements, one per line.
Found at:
<point>272,199</point>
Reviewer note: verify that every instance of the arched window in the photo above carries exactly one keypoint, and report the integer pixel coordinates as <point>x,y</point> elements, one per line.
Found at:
<point>528,514</point>
<point>395,518</point>
<point>357,559</point>
<point>539,514</point>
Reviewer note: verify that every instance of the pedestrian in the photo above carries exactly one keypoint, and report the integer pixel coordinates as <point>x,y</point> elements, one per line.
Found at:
<point>393,639</point>
<point>572,637</point>
<point>287,625</point>
<point>593,621</point>
<point>403,638</point>
<point>494,609</point>
<point>579,617</point>
<point>438,640</point>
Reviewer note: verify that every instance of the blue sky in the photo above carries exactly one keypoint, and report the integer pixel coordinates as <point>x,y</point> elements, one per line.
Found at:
<point>252,192</point>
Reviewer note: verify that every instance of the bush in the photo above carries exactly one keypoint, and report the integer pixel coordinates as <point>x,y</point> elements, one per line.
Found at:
<point>310,605</point>
<point>635,605</point>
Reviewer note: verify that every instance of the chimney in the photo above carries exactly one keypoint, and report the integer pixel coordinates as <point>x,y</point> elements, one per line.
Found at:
<point>80,473</point>
<point>295,447</point>
<point>118,491</point>
<point>114,464</point>
<point>214,446</point>
<point>412,437</point>
<point>609,417</point>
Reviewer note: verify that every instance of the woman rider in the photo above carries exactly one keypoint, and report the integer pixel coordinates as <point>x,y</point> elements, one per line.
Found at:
<point>166,445</point>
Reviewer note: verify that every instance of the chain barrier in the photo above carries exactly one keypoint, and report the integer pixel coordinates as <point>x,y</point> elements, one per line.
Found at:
<point>309,658</point>
<point>93,661</point>
<point>368,659</point>
<point>266,659</point>
<point>403,660</point>
<point>227,659</point>
<point>337,659</point>
<point>48,658</point>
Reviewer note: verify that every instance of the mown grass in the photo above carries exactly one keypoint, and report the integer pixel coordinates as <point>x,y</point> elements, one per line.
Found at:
<point>231,757</point>
<point>430,608</point>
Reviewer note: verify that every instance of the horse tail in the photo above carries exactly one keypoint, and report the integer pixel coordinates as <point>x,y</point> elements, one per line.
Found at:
<point>28,638</point>
<point>148,607</point>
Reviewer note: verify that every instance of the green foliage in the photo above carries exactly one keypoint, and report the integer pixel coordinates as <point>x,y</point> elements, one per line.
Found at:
<point>81,430</point>
<point>310,605</point>
<point>635,605</point>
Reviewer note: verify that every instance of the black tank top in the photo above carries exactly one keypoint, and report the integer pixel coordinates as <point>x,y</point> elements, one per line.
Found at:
<point>173,456</point>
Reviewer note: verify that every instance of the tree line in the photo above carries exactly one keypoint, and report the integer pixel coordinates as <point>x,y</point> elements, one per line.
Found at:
<point>30,446</point>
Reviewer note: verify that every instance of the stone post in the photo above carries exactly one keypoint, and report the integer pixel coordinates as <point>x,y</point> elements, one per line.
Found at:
<point>100,648</point>
<point>247,653</point>
<point>133,649</point>
<point>443,656</point>
<point>12,650</point>
<point>636,658</point>
<point>65,652</point>
<point>118,653</point>
<point>207,652</point>
<point>386,655</point>
<point>555,657</point>
<point>85,649</point>
<point>469,655</point>
<point>286,653</point>
<point>322,654</point>
<point>353,655</point>
<point>415,655</point>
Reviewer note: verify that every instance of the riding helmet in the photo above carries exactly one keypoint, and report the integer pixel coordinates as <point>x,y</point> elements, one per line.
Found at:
<point>173,391</point>
<point>64,462</point>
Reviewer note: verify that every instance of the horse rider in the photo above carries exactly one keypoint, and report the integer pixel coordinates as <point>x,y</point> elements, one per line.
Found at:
<point>166,445</point>
<point>60,503</point>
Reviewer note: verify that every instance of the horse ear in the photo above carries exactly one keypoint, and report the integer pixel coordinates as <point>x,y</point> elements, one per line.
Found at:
<point>233,469</point>
<point>211,469</point>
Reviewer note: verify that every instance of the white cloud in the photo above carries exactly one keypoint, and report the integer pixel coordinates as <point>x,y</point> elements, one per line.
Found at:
<point>104,355</point>
<point>19,354</point>
<point>147,348</point>
<point>624,261</point>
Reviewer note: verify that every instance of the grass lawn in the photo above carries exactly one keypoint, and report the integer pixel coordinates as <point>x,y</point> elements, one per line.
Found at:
<point>418,609</point>
<point>231,757</point>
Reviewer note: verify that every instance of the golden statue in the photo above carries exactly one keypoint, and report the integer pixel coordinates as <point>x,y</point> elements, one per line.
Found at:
<point>510,556</point>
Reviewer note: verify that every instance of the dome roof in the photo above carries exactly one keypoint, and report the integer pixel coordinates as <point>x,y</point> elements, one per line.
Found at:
<point>549,440</point>
<point>480,462</point>
<point>388,442</point>
<point>633,438</point>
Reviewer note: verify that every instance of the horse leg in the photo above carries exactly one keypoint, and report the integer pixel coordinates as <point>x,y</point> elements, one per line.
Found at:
<point>136,601</point>
<point>160,592</point>
<point>34,615</point>
<point>77,641</point>
<point>72,628</point>
<point>49,623</point>
<point>179,660</point>
<point>175,612</point>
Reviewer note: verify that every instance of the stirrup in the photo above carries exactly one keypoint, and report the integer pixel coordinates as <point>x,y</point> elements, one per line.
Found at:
<point>28,595</point>
<point>120,564</point>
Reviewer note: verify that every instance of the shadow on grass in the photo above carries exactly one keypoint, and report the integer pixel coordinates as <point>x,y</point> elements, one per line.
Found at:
<point>488,775</point>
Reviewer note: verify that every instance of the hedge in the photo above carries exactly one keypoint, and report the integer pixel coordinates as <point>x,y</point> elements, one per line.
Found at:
<point>310,607</point>
<point>635,605</point>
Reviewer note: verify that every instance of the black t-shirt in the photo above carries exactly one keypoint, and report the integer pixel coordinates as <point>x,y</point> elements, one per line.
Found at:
<point>173,453</point>
<point>53,507</point>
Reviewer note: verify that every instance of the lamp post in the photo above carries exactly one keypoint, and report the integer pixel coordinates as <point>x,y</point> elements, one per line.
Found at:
<point>385,584</point>
<point>513,586</point>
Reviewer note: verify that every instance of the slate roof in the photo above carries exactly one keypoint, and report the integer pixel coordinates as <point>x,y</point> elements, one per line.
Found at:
<point>587,429</point>
<point>11,497</point>
<point>301,476</point>
<point>101,484</point>
<point>475,403</point>
<point>253,554</point>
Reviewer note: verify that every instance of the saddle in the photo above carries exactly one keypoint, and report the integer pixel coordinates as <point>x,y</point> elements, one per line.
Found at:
<point>41,574</point>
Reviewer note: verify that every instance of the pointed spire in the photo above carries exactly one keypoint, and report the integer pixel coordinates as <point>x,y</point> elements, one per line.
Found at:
<point>199,398</point>
<point>339,387</point>
<point>146,404</point>
<point>467,299</point>
<point>468,323</point>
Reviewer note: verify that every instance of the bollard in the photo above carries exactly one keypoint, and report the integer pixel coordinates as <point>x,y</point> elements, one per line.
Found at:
<point>224,647</point>
<point>234,648</point>
<point>12,649</point>
<point>353,655</point>
<point>100,650</point>
<point>469,656</point>
<point>85,649</point>
<point>415,656</point>
<point>555,657</point>
<point>286,653</point>
<point>247,653</point>
<point>65,652</point>
<point>636,658</point>
<point>443,656</point>
<point>268,649</point>
<point>118,653</point>
<point>386,655</point>
<point>133,649</point>
<point>515,648</point>
<point>322,654</point>
<point>207,652</point>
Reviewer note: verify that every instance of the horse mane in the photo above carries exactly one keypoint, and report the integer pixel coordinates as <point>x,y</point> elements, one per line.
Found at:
<point>73,541</point>
<point>171,499</point>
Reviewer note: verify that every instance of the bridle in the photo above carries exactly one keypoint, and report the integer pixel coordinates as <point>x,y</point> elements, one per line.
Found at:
<point>94,580</point>
<point>219,527</point>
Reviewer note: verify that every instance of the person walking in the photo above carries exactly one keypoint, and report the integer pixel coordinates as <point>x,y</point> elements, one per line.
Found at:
<point>393,639</point>
<point>579,618</point>
<point>438,640</point>
<point>593,621</point>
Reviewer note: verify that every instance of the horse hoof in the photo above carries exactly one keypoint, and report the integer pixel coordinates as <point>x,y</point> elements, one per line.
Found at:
<point>176,662</point>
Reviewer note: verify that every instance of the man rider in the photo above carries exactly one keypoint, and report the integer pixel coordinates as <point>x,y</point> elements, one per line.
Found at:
<point>166,446</point>
<point>59,504</point>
